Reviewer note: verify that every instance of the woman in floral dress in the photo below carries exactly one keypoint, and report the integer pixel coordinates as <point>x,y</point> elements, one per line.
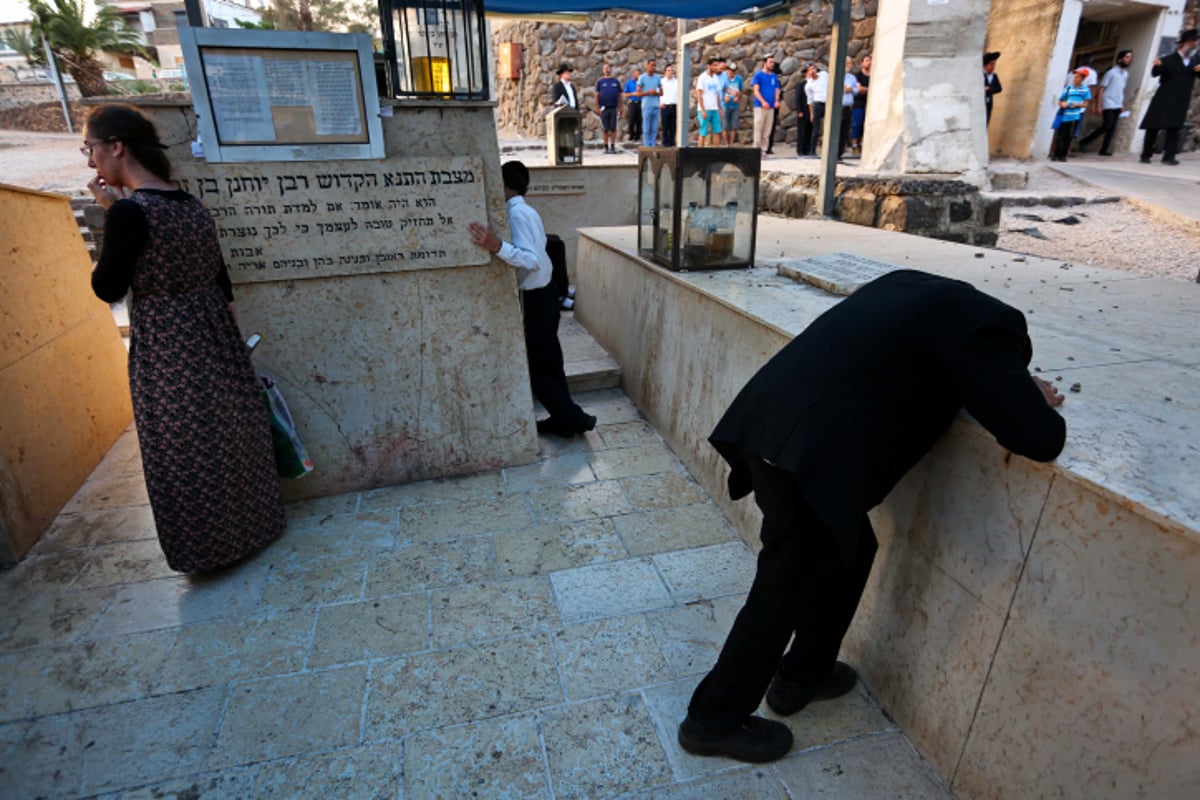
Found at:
<point>201,420</point>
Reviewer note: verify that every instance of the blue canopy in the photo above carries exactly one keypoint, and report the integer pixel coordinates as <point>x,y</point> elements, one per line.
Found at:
<point>691,9</point>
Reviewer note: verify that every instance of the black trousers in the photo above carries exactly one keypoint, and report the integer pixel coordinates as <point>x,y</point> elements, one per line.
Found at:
<point>803,591</point>
<point>634,112</point>
<point>1108,127</point>
<point>546,372</point>
<point>844,129</point>
<point>771,135</point>
<point>803,136</point>
<point>1170,145</point>
<point>1063,137</point>
<point>818,125</point>
<point>667,124</point>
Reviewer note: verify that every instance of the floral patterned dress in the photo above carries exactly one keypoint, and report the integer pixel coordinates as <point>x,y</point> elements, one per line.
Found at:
<point>201,419</point>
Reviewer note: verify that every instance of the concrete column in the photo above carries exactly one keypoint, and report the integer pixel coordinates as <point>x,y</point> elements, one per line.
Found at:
<point>925,110</point>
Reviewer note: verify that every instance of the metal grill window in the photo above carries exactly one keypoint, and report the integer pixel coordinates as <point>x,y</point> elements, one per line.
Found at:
<point>437,48</point>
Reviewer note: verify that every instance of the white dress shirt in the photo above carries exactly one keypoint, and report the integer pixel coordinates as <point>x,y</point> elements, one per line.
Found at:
<point>670,91</point>
<point>820,87</point>
<point>527,250</point>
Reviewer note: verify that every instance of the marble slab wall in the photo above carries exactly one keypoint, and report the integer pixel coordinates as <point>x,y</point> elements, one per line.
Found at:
<point>396,342</point>
<point>1031,627</point>
<point>64,387</point>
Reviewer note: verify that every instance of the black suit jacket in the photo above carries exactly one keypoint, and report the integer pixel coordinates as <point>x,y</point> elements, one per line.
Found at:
<point>853,402</point>
<point>1169,106</point>
<point>560,91</point>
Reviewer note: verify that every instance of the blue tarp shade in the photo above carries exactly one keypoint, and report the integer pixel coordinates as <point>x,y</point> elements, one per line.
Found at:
<point>691,9</point>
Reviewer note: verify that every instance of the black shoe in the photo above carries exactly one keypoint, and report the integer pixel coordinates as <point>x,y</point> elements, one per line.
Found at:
<point>756,740</point>
<point>551,425</point>
<point>1145,160</point>
<point>1104,153</point>
<point>588,424</point>
<point>1171,161</point>
<point>769,152</point>
<point>785,697</point>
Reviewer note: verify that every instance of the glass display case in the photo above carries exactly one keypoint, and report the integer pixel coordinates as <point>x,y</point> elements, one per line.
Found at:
<point>564,137</point>
<point>698,206</point>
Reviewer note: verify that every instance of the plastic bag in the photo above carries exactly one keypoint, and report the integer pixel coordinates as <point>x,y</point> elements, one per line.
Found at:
<point>291,457</point>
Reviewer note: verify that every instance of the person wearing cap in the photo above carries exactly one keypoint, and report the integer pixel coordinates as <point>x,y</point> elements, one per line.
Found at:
<point>526,253</point>
<point>1073,100</point>
<point>765,84</point>
<point>564,92</point>
<point>991,82</point>
<point>1168,109</point>
<point>732,97</point>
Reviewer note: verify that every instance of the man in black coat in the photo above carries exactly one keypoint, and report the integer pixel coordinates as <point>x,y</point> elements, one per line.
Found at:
<point>991,83</point>
<point>1168,109</point>
<point>821,434</point>
<point>563,91</point>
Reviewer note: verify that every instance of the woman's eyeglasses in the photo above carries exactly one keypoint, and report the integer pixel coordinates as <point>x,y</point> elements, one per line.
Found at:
<point>89,146</point>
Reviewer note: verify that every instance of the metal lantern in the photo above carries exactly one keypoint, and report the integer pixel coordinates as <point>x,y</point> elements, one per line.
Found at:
<point>436,49</point>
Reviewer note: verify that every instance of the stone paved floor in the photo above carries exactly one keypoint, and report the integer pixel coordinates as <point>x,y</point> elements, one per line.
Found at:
<point>532,632</point>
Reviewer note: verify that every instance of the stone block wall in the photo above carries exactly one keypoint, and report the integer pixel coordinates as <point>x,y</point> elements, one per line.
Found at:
<point>626,40</point>
<point>951,210</point>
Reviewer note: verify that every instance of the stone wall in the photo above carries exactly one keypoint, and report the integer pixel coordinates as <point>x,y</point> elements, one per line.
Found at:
<point>951,210</point>
<point>626,40</point>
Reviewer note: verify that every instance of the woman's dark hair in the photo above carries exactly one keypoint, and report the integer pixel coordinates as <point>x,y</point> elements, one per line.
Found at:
<point>125,124</point>
<point>516,176</point>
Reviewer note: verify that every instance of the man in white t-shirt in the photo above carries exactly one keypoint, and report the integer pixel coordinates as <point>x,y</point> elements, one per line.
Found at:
<point>708,104</point>
<point>1109,102</point>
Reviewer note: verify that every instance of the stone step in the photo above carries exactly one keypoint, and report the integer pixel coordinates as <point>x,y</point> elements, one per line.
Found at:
<point>588,365</point>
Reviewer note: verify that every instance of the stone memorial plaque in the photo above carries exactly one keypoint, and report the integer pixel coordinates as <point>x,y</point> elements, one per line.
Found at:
<point>291,220</point>
<point>542,188</point>
<point>836,273</point>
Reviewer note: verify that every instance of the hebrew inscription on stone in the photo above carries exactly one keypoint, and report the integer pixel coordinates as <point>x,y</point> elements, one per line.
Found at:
<point>288,220</point>
<point>836,273</point>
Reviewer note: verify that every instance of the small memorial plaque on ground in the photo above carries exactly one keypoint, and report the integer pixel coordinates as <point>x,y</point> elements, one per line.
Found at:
<point>836,273</point>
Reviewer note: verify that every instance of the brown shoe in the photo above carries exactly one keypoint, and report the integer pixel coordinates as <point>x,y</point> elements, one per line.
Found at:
<point>756,740</point>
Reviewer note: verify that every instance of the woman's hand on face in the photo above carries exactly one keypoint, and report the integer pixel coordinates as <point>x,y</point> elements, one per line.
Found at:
<point>105,195</point>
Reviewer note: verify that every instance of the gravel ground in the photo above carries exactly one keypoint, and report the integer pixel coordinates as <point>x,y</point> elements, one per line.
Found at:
<point>1116,235</point>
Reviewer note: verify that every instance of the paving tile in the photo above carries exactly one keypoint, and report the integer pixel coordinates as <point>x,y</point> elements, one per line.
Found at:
<point>333,536</point>
<point>124,562</point>
<point>215,653</point>
<point>490,758</point>
<point>691,636</point>
<point>333,505</point>
<point>288,716</point>
<point>47,619</point>
<point>169,602</point>
<point>113,490</point>
<point>439,490</point>
<point>452,686</point>
<point>481,611</point>
<point>704,572</point>
<point>39,760</point>
<point>133,744</point>
<point>387,626</point>
<point>574,503</point>
<point>547,548</point>
<point>628,434</point>
<point>599,658</point>
<point>51,572</point>
<point>600,748</point>
<point>674,529</point>
<point>871,768</point>
<point>231,783</point>
<point>314,582</point>
<point>417,567</point>
<point>568,468</point>
<point>374,772</point>
<point>87,528</point>
<point>609,406</point>
<point>642,459</point>
<point>608,590</point>
<point>748,783</point>
<point>462,518</point>
<point>664,490</point>
<point>51,680</point>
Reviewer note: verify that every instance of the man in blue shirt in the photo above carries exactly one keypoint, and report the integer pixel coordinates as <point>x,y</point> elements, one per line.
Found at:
<point>731,96</point>
<point>766,99</point>
<point>649,89</point>
<point>608,107</point>
<point>1073,100</point>
<point>633,106</point>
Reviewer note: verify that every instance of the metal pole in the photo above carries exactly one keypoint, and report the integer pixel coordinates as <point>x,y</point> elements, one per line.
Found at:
<point>833,104</point>
<point>195,13</point>
<point>683,70</point>
<point>56,76</point>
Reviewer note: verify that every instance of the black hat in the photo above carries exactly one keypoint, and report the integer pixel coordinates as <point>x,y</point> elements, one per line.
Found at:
<point>564,68</point>
<point>1190,35</point>
<point>988,58</point>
